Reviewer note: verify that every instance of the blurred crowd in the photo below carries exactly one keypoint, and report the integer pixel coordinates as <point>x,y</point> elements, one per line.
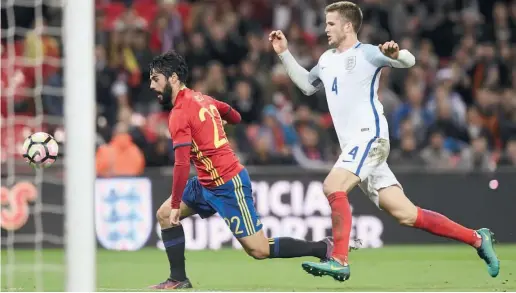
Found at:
<point>455,109</point>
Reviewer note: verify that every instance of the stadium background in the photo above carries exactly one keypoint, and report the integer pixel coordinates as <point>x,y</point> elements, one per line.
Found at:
<point>452,119</point>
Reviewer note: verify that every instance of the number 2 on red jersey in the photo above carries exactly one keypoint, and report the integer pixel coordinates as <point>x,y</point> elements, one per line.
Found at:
<point>214,113</point>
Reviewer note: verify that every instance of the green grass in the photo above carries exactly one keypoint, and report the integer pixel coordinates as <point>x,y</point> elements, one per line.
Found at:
<point>392,268</point>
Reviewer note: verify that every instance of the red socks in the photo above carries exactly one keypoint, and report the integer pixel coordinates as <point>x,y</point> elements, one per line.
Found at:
<point>440,225</point>
<point>341,224</point>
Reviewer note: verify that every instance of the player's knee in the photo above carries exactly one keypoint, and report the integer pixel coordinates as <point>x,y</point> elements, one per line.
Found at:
<point>332,184</point>
<point>258,253</point>
<point>406,217</point>
<point>327,188</point>
<point>162,217</point>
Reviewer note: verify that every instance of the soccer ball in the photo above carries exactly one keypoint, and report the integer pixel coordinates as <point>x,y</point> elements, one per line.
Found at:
<point>40,150</point>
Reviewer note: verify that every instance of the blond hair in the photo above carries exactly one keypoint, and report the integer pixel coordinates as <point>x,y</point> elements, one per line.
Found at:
<point>349,11</point>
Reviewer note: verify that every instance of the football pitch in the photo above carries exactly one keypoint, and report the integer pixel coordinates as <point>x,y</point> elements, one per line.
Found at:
<point>392,268</point>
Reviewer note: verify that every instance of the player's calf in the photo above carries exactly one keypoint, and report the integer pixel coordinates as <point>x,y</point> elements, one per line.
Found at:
<point>174,241</point>
<point>336,187</point>
<point>260,247</point>
<point>286,247</point>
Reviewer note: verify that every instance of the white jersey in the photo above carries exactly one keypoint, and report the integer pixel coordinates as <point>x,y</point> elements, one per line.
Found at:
<point>351,80</point>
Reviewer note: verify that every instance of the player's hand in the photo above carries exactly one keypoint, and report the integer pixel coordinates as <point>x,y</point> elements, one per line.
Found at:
<point>174,217</point>
<point>390,49</point>
<point>278,41</point>
<point>224,122</point>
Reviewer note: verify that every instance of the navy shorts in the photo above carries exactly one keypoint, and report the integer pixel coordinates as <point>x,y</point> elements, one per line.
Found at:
<point>233,201</point>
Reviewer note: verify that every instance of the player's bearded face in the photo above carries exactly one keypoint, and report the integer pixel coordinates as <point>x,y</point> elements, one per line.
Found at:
<point>166,94</point>
<point>162,88</point>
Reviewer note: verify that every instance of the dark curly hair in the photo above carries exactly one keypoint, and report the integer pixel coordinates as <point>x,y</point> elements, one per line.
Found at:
<point>169,63</point>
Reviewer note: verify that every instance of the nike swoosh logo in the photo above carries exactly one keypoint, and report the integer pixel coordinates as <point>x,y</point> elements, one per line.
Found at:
<point>346,161</point>
<point>333,268</point>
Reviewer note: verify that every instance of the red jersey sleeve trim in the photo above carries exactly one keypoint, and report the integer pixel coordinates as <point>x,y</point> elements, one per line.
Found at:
<point>181,144</point>
<point>232,116</point>
<point>227,112</point>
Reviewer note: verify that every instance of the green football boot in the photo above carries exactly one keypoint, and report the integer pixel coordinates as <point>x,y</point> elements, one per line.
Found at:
<point>330,267</point>
<point>487,253</point>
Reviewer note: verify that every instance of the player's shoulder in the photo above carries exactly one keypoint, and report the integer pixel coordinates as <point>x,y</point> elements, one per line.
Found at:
<point>191,104</point>
<point>181,113</point>
<point>370,52</point>
<point>326,55</point>
<point>368,48</point>
<point>198,99</point>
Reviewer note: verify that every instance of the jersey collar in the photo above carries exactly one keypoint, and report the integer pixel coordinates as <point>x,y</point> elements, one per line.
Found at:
<point>180,95</point>
<point>356,45</point>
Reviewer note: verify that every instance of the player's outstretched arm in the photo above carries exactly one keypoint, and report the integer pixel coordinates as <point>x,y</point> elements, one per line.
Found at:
<point>300,76</point>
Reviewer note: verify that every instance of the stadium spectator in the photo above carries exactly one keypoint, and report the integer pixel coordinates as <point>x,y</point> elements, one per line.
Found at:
<point>413,110</point>
<point>407,155</point>
<point>477,156</point>
<point>435,155</point>
<point>262,155</point>
<point>310,152</point>
<point>120,157</point>
<point>245,103</point>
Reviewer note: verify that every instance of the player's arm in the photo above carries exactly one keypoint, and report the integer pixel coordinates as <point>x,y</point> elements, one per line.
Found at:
<point>308,82</point>
<point>182,139</point>
<point>227,113</point>
<point>389,54</point>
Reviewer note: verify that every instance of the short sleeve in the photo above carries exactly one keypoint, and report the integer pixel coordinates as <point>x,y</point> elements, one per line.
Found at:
<point>375,56</point>
<point>313,77</point>
<point>179,128</point>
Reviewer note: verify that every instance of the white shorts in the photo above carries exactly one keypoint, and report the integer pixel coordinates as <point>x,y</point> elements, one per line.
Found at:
<point>368,160</point>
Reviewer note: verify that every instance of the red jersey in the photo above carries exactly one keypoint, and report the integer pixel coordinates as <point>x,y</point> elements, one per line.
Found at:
<point>196,120</point>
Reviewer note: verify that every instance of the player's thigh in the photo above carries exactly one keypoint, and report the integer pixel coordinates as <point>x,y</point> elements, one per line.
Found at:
<point>193,198</point>
<point>386,192</point>
<point>192,202</point>
<point>379,179</point>
<point>234,202</point>
<point>393,200</point>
